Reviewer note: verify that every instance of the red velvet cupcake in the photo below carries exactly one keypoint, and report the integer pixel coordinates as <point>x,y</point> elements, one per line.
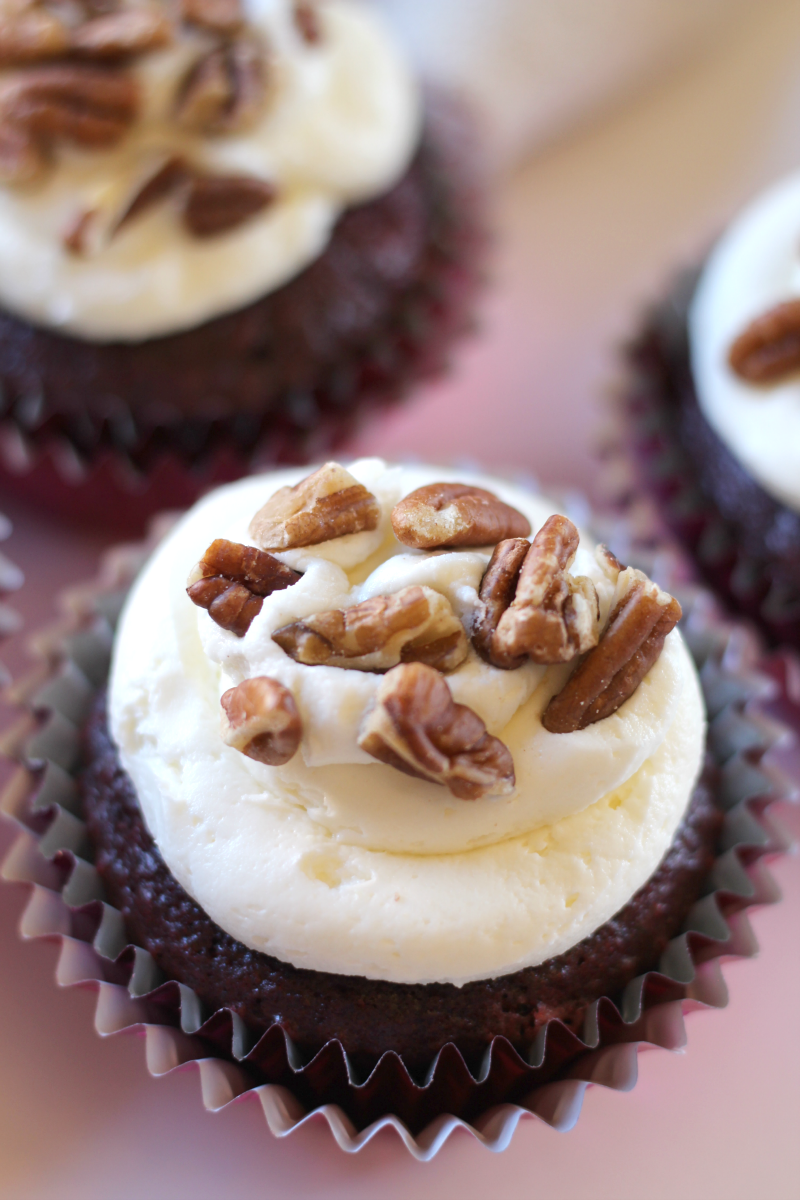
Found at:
<point>713,399</point>
<point>222,238</point>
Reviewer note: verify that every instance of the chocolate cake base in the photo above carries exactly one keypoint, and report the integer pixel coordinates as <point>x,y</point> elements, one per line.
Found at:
<point>370,1017</point>
<point>279,381</point>
<point>745,543</point>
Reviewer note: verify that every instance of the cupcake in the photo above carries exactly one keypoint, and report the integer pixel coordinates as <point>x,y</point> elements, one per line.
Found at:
<point>225,230</point>
<point>403,777</point>
<point>714,397</point>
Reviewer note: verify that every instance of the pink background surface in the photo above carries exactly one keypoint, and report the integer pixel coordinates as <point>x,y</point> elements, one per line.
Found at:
<point>586,231</point>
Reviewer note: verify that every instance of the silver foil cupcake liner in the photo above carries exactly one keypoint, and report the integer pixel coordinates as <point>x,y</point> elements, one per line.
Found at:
<point>749,707</point>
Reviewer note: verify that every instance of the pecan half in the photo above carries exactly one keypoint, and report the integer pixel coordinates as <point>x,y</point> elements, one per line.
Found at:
<point>30,35</point>
<point>416,726</point>
<point>498,588</point>
<point>415,624</point>
<point>769,348</point>
<point>231,581</point>
<point>122,34</point>
<point>76,237</point>
<point>218,16</point>
<point>327,504</point>
<point>307,20</point>
<point>170,176</point>
<point>89,105</point>
<point>613,670</point>
<point>260,718</point>
<point>552,615</point>
<point>218,203</point>
<point>442,515</point>
<point>224,91</point>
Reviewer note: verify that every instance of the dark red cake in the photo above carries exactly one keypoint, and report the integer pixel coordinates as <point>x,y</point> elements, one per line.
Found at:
<point>370,1017</point>
<point>745,543</point>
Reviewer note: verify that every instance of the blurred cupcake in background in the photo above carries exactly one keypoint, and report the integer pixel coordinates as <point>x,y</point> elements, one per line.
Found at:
<point>715,402</point>
<point>226,229</point>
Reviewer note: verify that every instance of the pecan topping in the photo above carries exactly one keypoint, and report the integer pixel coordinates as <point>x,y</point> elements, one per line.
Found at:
<point>89,105</point>
<point>30,35</point>
<point>260,718</point>
<point>166,180</point>
<point>327,504</point>
<point>613,670</point>
<point>307,20</point>
<point>76,236</point>
<point>552,615</point>
<point>232,580</point>
<point>455,514</point>
<point>416,727</point>
<point>769,348</point>
<point>218,16</point>
<point>224,91</point>
<point>122,34</point>
<point>415,624</point>
<point>217,203</point>
<point>498,588</point>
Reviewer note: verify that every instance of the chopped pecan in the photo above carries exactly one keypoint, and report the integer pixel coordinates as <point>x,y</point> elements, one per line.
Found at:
<point>173,174</point>
<point>455,514</point>
<point>232,580</point>
<point>224,91</point>
<point>327,504</point>
<point>307,20</point>
<point>553,615</point>
<point>498,588</point>
<point>21,157</point>
<point>30,35</point>
<point>89,105</point>
<point>218,203</point>
<point>122,34</point>
<point>613,670</point>
<point>769,348</point>
<point>218,16</point>
<point>260,718</point>
<point>415,624</point>
<point>416,727</point>
<point>75,238</point>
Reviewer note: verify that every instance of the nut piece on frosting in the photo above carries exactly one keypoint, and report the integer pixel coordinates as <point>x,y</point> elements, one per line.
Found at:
<point>224,91</point>
<point>217,16</point>
<point>327,504</point>
<point>416,727</point>
<point>640,620</point>
<point>443,515</point>
<point>231,581</point>
<point>768,350</point>
<point>260,718</point>
<point>533,607</point>
<point>416,624</point>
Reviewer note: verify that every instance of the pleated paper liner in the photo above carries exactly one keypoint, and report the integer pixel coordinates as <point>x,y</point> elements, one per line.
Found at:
<point>653,398</point>
<point>53,858</point>
<point>115,464</point>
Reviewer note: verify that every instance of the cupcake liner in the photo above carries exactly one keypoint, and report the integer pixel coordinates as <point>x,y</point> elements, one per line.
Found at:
<point>748,708</point>
<point>656,417</point>
<point>115,464</point>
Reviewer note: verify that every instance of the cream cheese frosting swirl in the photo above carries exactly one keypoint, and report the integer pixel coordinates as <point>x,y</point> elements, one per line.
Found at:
<point>340,126</point>
<point>339,863</point>
<point>754,267</point>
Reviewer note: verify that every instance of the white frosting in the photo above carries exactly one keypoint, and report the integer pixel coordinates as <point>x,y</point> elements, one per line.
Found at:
<point>339,863</point>
<point>340,126</point>
<point>753,267</point>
